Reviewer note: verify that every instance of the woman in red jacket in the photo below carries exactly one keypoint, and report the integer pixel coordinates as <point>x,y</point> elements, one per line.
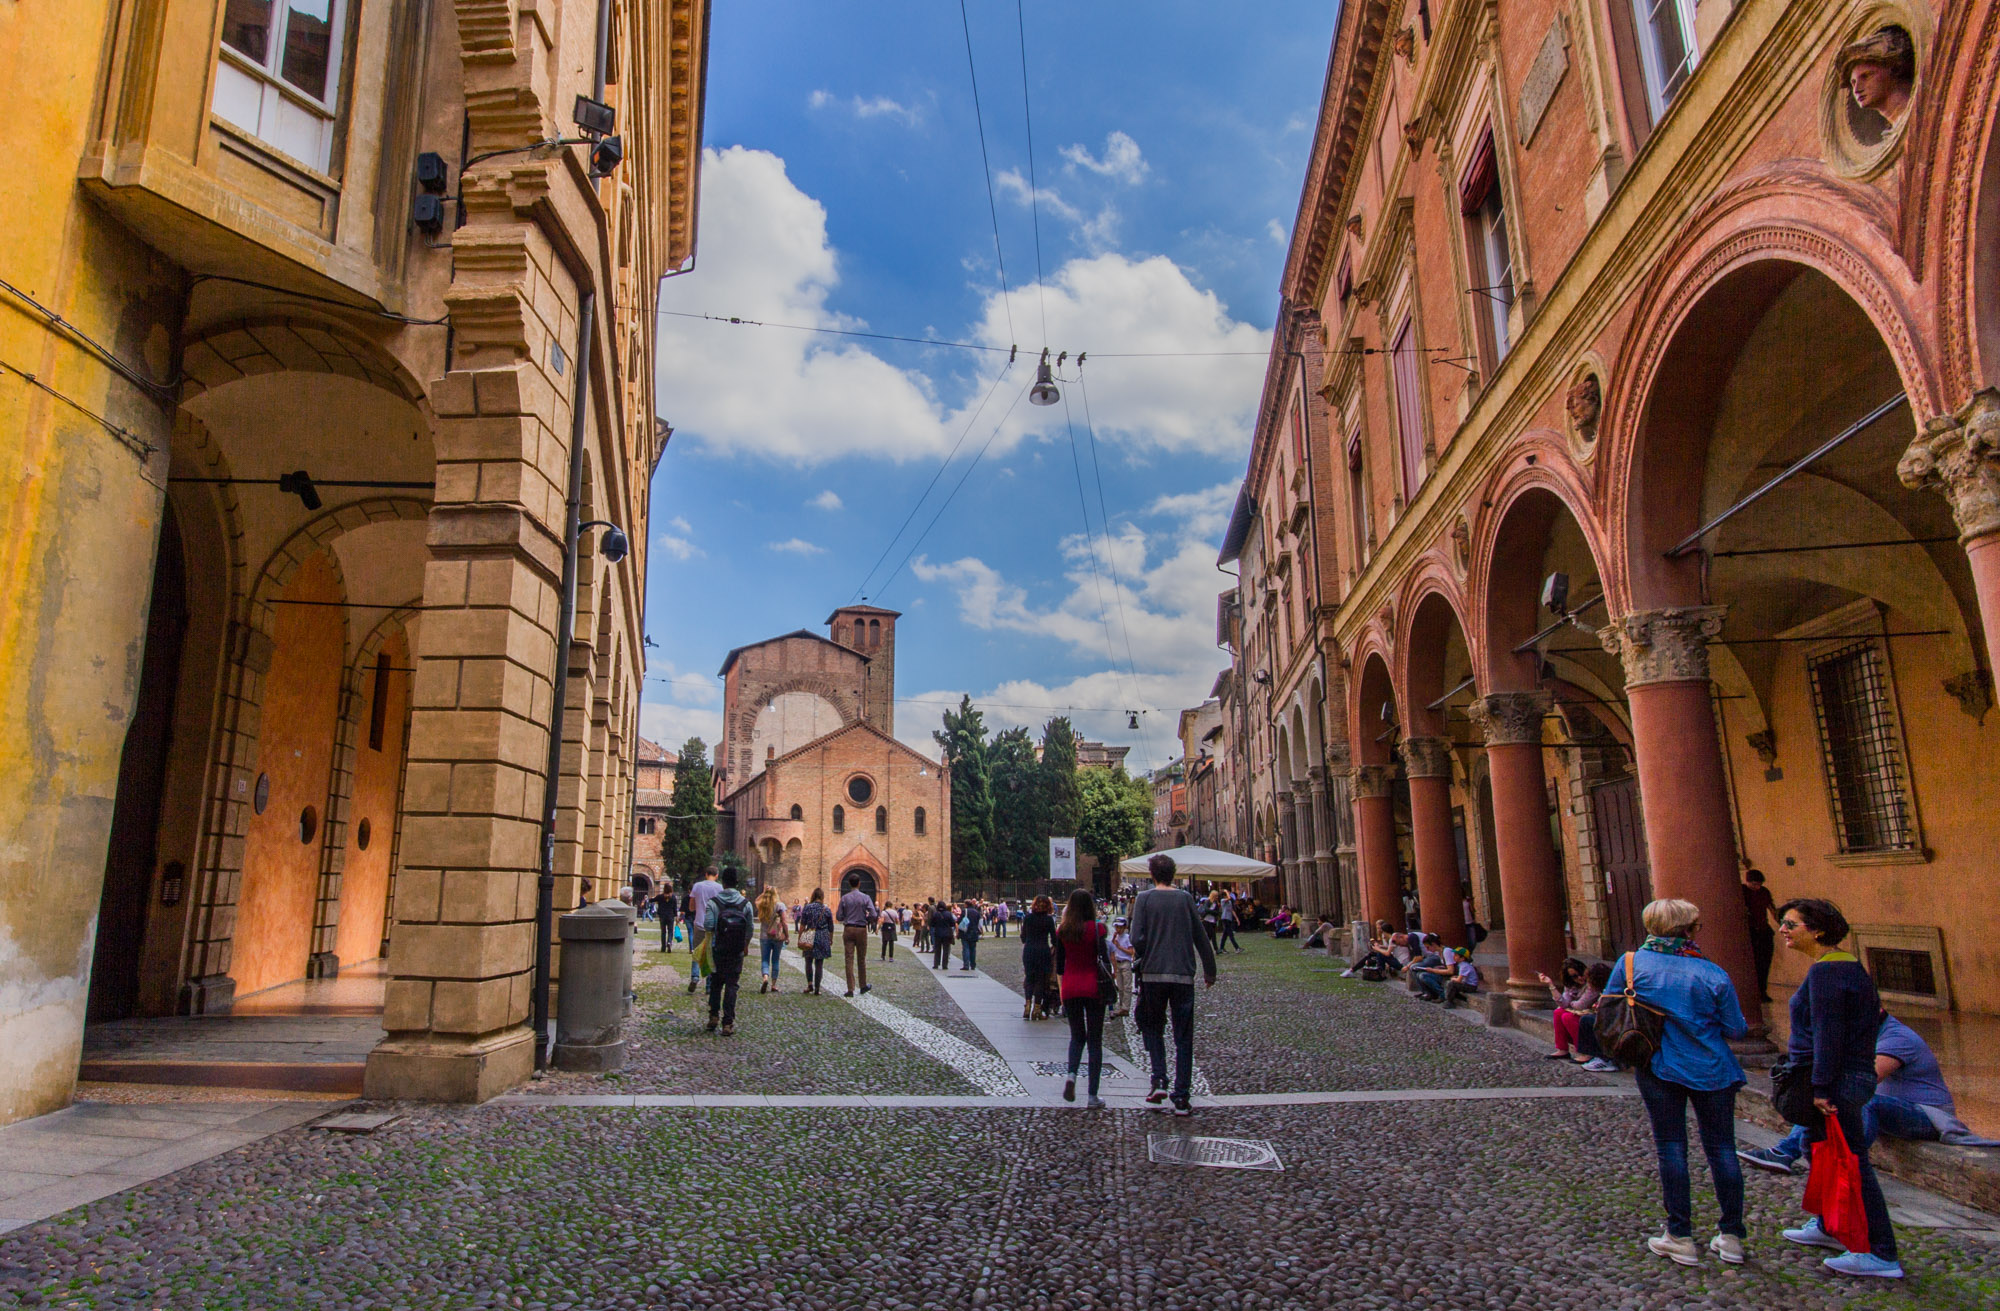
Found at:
<point>1079,943</point>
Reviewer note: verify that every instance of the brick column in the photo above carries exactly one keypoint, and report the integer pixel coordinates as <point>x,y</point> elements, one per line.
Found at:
<point>1375,833</point>
<point>1683,793</point>
<point>1958,456</point>
<point>1427,764</point>
<point>1531,891</point>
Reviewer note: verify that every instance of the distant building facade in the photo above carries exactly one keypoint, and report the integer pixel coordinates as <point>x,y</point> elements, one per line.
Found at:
<point>1099,755</point>
<point>814,783</point>
<point>654,780</point>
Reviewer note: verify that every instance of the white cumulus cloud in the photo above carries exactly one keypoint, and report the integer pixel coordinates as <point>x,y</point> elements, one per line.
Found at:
<point>826,500</point>
<point>1121,160</point>
<point>796,546</point>
<point>866,107</point>
<point>677,541</point>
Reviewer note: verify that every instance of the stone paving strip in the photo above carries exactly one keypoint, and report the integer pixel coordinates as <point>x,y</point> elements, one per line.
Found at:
<point>754,1101</point>
<point>983,1070</point>
<point>55,1162</point>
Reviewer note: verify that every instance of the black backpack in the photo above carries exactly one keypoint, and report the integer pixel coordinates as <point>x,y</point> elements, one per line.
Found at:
<point>732,928</point>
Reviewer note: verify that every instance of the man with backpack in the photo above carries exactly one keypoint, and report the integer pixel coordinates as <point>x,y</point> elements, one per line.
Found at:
<point>696,912</point>
<point>727,923</point>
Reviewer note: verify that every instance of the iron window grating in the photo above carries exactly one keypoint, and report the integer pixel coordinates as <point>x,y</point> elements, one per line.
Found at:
<point>1899,969</point>
<point>1860,749</point>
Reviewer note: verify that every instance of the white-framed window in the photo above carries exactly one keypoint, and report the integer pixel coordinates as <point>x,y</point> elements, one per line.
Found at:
<point>1667,54</point>
<point>1492,259</point>
<point>279,75</point>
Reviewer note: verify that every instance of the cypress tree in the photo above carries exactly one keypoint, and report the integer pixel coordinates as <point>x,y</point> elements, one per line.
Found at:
<point>963,740</point>
<point>688,846</point>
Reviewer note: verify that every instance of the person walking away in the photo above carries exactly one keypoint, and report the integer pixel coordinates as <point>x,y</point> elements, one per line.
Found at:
<point>1228,922</point>
<point>815,939</point>
<point>1211,916</point>
<point>699,897</point>
<point>1835,1016</point>
<point>1000,918</point>
<point>727,924</point>
<point>1038,929</point>
<point>1167,938</point>
<point>941,930</point>
<point>1079,946</point>
<point>1762,914</point>
<point>890,922</point>
<point>664,906</point>
<point>1693,1066</point>
<point>1121,964</point>
<point>770,919</point>
<point>969,931</point>
<point>856,914</point>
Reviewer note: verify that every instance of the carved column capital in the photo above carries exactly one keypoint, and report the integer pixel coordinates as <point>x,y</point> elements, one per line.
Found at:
<point>1426,757</point>
<point>1511,717</point>
<point>1664,646</point>
<point>1285,802</point>
<point>1957,455</point>
<point>1372,780</point>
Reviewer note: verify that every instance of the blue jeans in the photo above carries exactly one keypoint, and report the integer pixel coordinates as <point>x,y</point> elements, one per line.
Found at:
<point>1715,1116</point>
<point>1892,1117</point>
<point>968,953</point>
<point>1432,984</point>
<point>1158,1001</point>
<point>774,950</point>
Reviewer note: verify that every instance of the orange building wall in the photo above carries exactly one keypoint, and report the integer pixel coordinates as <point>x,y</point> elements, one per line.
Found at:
<point>364,886</point>
<point>274,913</point>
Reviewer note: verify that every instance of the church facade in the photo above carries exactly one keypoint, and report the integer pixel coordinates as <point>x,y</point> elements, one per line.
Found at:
<point>814,784</point>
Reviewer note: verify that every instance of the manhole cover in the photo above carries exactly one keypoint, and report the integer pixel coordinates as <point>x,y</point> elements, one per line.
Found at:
<point>1058,1070</point>
<point>1222,1153</point>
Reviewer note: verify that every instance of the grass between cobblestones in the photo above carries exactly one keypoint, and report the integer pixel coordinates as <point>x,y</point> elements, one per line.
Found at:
<point>1282,1020</point>
<point>1539,1205</point>
<point>785,1042</point>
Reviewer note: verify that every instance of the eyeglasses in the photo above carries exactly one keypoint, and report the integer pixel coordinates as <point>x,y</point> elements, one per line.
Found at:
<point>1789,926</point>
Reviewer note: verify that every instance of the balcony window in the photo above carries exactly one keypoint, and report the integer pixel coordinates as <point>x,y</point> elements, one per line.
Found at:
<point>1409,407</point>
<point>1665,36</point>
<point>279,75</point>
<point>1492,260</point>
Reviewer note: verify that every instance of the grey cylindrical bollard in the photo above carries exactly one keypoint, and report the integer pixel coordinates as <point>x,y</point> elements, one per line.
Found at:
<point>631,915</point>
<point>590,1004</point>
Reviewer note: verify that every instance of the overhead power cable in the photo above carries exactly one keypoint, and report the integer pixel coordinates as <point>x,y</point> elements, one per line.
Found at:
<point>986,171</point>
<point>1034,199</point>
<point>738,320</point>
<point>956,487</point>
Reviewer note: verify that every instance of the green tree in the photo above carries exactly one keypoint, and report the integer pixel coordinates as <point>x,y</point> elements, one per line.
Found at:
<point>1117,821</point>
<point>1061,803</point>
<point>1020,823</point>
<point>963,740</point>
<point>688,846</point>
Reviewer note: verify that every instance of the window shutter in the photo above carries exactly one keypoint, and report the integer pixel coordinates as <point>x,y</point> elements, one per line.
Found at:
<point>1479,178</point>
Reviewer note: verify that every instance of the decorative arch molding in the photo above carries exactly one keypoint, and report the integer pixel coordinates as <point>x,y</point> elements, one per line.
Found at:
<point>1374,649</point>
<point>1432,576</point>
<point>1555,474</point>
<point>1951,148</point>
<point>1760,220</point>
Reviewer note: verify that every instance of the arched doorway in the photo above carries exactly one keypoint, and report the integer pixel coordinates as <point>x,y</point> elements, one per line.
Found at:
<point>866,879</point>
<point>1438,686</point>
<point>142,771</point>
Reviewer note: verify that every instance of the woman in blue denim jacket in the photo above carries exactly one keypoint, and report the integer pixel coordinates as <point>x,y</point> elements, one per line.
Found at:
<point>1835,1014</point>
<point>1693,1066</point>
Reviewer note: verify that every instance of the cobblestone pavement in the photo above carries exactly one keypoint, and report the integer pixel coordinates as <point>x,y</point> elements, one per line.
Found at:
<point>1500,1204</point>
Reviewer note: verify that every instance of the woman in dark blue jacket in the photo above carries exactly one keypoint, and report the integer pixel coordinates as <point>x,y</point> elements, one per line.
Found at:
<point>1835,1014</point>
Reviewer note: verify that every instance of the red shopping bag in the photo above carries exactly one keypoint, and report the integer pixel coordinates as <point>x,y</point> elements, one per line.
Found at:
<point>1833,1189</point>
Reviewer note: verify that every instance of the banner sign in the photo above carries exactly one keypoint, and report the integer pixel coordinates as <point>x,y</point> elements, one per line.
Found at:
<point>1062,858</point>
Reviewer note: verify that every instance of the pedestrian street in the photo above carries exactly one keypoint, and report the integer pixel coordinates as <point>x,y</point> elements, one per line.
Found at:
<point>907,1150</point>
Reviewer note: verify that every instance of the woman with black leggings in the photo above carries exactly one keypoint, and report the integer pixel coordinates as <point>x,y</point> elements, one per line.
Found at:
<point>1079,942</point>
<point>815,938</point>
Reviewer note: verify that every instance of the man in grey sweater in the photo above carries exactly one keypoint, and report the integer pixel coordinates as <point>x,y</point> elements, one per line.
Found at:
<point>1167,936</point>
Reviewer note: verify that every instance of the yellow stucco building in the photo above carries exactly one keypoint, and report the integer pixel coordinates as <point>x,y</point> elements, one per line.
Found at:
<point>298,302</point>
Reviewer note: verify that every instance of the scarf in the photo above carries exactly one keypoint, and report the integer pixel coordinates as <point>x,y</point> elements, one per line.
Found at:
<point>1671,946</point>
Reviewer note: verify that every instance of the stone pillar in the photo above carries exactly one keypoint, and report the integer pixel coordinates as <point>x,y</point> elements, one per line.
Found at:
<point>1683,793</point>
<point>1375,833</point>
<point>1531,890</point>
<point>1288,844</point>
<point>1427,764</point>
<point>1326,893</point>
<point>1309,840</point>
<point>1958,456</point>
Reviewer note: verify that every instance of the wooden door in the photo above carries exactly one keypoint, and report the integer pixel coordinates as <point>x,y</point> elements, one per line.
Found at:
<point>1621,854</point>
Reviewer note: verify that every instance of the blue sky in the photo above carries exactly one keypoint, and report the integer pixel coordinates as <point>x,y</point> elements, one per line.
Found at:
<point>842,188</point>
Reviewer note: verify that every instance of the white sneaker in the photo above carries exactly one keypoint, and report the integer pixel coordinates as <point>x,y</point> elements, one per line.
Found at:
<point>1728,1248</point>
<point>1681,1251</point>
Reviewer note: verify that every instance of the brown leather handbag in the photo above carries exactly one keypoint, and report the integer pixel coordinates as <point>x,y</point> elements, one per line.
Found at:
<point>1629,1029</point>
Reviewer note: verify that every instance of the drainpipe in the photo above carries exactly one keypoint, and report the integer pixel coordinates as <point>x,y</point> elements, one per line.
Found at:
<point>545,884</point>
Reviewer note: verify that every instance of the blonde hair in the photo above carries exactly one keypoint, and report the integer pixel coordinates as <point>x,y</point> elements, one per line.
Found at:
<point>767,904</point>
<point>1670,917</point>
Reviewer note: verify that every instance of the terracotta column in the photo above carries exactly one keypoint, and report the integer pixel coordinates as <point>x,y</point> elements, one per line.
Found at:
<point>1427,764</point>
<point>1325,896</point>
<point>1683,794</point>
<point>1375,834</point>
<point>1531,890</point>
<point>1958,456</point>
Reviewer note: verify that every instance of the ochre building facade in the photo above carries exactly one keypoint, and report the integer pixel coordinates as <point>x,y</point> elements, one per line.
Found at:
<point>1624,510</point>
<point>814,784</point>
<point>306,311</point>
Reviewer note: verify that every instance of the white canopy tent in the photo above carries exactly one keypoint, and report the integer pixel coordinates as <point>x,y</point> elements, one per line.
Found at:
<point>1204,863</point>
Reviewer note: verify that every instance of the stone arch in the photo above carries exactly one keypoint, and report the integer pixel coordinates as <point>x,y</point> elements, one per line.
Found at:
<point>1736,255</point>
<point>1509,555</point>
<point>1373,689</point>
<point>1433,614</point>
<point>303,342</point>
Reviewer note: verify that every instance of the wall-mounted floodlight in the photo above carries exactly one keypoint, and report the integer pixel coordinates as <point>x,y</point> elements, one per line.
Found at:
<point>606,156</point>
<point>594,118</point>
